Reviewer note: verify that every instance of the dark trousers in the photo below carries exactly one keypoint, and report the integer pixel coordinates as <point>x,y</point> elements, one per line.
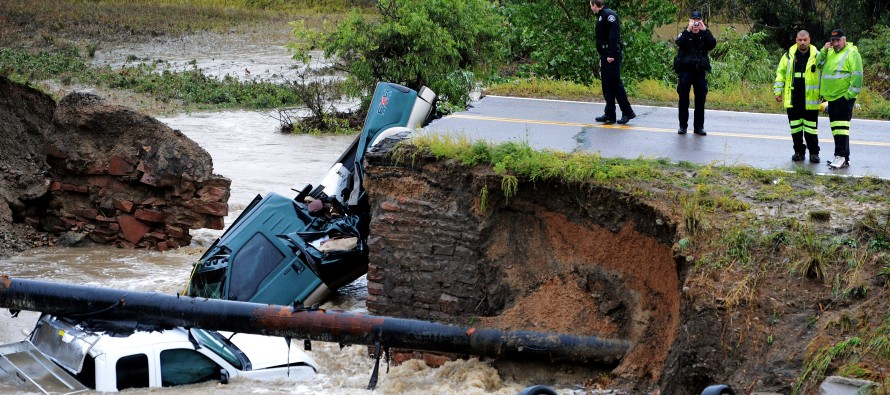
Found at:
<point>804,126</point>
<point>613,87</point>
<point>840,112</point>
<point>698,81</point>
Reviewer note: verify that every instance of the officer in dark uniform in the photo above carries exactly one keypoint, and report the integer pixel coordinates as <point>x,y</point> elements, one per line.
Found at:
<point>692,65</point>
<point>608,44</point>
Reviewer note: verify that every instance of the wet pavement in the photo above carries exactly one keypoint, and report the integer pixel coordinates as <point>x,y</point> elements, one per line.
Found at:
<point>734,138</point>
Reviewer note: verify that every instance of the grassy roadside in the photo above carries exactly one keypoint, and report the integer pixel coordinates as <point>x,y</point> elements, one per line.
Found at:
<point>743,97</point>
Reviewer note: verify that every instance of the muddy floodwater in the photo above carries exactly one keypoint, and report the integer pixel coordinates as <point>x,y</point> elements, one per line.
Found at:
<point>247,148</point>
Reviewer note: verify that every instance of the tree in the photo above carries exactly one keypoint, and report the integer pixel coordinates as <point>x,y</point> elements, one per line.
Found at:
<point>784,19</point>
<point>442,44</point>
<point>559,40</point>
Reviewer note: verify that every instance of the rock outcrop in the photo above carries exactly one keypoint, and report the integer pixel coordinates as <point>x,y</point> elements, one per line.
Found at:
<point>104,171</point>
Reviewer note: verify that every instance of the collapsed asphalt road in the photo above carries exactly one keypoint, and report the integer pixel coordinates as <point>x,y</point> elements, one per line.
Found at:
<point>734,138</point>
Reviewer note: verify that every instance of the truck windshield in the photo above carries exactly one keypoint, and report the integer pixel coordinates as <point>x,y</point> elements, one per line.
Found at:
<point>209,277</point>
<point>222,347</point>
<point>251,265</point>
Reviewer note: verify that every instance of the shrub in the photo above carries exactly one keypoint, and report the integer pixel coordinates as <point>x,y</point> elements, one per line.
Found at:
<point>876,60</point>
<point>741,58</point>
<point>560,41</point>
<point>443,44</point>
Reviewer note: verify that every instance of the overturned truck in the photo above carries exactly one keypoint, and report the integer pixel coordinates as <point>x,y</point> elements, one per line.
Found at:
<point>298,250</point>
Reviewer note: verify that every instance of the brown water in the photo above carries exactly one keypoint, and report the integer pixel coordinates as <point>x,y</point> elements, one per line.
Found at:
<point>245,147</point>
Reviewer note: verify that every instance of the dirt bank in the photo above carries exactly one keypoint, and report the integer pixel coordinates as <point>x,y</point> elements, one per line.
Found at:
<point>88,169</point>
<point>731,298</point>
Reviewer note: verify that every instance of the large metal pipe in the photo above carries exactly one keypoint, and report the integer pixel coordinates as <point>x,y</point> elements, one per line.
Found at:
<point>85,302</point>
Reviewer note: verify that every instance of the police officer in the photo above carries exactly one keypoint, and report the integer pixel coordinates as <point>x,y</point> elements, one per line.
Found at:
<point>692,65</point>
<point>608,45</point>
<point>797,81</point>
<point>841,82</point>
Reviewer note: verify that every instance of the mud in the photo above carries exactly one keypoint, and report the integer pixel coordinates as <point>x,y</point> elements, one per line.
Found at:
<point>564,258</point>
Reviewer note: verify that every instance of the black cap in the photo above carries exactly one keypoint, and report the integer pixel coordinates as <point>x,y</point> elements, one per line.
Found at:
<point>836,33</point>
<point>695,15</point>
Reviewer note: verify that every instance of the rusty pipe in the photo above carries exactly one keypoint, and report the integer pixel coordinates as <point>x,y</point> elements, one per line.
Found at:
<point>85,302</point>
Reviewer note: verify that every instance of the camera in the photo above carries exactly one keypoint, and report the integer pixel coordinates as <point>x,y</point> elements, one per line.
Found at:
<point>696,24</point>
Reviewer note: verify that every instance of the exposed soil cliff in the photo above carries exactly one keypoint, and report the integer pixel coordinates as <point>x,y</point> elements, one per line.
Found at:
<point>584,258</point>
<point>86,168</point>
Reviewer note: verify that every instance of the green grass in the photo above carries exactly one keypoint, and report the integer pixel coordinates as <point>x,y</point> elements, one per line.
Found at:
<point>190,88</point>
<point>521,160</point>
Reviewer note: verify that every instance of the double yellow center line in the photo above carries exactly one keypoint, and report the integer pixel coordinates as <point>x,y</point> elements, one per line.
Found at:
<point>649,129</point>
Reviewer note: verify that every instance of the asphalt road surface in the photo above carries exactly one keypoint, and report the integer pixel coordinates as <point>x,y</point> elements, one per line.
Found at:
<point>734,138</point>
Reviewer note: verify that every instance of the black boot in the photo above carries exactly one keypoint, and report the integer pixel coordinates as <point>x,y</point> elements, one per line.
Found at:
<point>605,119</point>
<point>625,118</point>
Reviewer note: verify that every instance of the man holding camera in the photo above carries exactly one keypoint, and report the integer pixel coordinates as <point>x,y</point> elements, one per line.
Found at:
<point>692,65</point>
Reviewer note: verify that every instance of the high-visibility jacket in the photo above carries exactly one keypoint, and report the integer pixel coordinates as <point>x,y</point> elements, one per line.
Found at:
<point>841,72</point>
<point>785,78</point>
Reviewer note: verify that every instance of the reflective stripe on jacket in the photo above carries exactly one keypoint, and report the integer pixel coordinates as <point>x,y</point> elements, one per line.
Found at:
<point>841,72</point>
<point>785,78</point>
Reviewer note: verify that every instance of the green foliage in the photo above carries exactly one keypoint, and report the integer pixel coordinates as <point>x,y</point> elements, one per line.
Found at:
<point>874,229</point>
<point>817,253</point>
<point>509,184</point>
<point>560,42</point>
<point>819,362</point>
<point>740,59</point>
<point>874,49</point>
<point>483,199</point>
<point>820,215</point>
<point>693,212</point>
<point>546,88</point>
<point>192,86</point>
<point>42,65</point>
<point>876,60</point>
<point>442,44</point>
<point>560,39</point>
<point>520,159</point>
<point>155,79</point>
<point>784,19</point>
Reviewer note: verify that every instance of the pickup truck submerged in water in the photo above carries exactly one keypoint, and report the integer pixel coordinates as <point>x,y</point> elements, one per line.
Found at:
<point>114,356</point>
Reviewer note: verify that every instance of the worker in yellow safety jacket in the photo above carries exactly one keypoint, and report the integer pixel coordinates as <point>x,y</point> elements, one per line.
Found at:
<point>797,82</point>
<point>840,86</point>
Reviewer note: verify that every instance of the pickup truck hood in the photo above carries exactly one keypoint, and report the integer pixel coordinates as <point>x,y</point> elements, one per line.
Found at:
<point>265,352</point>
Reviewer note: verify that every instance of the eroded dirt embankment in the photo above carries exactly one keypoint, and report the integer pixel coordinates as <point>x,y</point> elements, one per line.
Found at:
<point>448,245</point>
<point>90,169</point>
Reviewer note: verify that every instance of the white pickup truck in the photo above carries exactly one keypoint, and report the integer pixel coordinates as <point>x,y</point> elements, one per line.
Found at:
<point>63,356</point>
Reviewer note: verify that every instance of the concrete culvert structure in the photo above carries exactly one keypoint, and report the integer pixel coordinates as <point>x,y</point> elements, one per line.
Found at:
<point>447,244</point>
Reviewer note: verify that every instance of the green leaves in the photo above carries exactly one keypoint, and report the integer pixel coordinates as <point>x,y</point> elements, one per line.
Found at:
<point>741,59</point>
<point>443,44</point>
<point>559,39</point>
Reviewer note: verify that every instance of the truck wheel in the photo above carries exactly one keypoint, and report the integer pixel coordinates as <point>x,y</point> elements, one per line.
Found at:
<point>538,390</point>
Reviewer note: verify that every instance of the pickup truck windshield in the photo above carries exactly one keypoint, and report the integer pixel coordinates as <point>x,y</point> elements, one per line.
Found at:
<point>222,347</point>
<point>251,265</point>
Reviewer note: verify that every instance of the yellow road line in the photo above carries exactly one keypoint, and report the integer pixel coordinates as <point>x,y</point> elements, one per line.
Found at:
<point>649,129</point>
